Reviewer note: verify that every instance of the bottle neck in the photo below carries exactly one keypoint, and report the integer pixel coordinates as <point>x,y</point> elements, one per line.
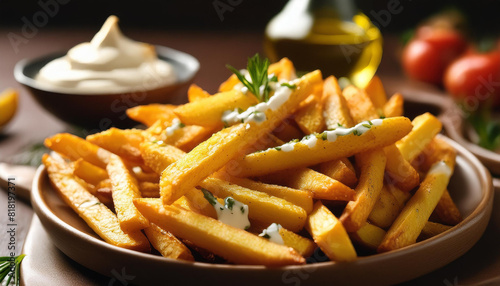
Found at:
<point>344,10</point>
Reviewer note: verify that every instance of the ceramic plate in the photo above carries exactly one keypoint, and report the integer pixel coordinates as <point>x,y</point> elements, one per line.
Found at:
<point>470,187</point>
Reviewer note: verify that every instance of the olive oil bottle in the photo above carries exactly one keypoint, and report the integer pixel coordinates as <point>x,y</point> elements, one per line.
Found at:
<point>326,34</point>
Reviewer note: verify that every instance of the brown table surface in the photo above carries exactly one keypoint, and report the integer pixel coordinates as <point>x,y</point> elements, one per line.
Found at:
<point>213,49</point>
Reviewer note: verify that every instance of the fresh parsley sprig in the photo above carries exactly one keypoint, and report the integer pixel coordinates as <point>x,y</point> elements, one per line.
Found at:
<point>257,70</point>
<point>7,272</point>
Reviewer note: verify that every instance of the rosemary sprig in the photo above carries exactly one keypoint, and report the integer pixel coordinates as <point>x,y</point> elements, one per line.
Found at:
<point>257,70</point>
<point>7,271</point>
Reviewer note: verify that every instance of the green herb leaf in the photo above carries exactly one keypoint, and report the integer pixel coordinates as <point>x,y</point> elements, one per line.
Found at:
<point>229,203</point>
<point>209,197</point>
<point>7,271</point>
<point>291,86</point>
<point>487,129</point>
<point>266,236</point>
<point>257,70</point>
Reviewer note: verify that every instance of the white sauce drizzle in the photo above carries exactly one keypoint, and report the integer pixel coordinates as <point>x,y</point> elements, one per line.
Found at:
<point>440,168</point>
<point>330,135</point>
<point>176,125</point>
<point>272,233</point>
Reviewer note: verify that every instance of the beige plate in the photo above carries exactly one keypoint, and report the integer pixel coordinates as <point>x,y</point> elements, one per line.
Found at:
<point>470,186</point>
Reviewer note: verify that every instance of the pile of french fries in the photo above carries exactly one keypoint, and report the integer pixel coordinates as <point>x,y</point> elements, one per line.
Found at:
<point>373,192</point>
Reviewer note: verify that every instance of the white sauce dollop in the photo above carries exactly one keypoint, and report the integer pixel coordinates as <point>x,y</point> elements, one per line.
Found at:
<point>109,63</point>
<point>273,234</point>
<point>233,213</point>
<point>440,168</point>
<point>176,125</point>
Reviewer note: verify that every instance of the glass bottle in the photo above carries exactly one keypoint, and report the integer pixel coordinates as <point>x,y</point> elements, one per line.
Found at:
<point>327,34</point>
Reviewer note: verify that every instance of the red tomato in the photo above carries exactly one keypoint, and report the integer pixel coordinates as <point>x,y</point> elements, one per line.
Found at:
<point>426,57</point>
<point>475,76</point>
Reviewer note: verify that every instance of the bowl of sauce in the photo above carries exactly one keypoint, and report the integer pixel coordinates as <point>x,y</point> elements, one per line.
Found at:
<point>93,83</point>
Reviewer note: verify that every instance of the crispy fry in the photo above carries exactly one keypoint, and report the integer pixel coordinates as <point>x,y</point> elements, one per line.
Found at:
<point>310,117</point>
<point>167,244</point>
<point>124,143</point>
<point>425,127</point>
<point>226,144</point>
<point>185,138</point>
<point>369,236</point>
<point>149,190</point>
<point>446,211</point>
<point>159,156</point>
<point>234,244</point>
<point>329,234</point>
<point>229,83</point>
<point>360,106</point>
<point>194,201</point>
<point>321,186</point>
<point>283,69</point>
<point>410,222</point>
<point>401,172</point>
<point>302,245</point>
<point>149,114</point>
<point>88,207</point>
<point>208,111</point>
<point>196,93</point>
<point>371,180</point>
<point>262,207</point>
<point>394,107</point>
<point>432,229</point>
<point>74,147</point>
<point>340,170</point>
<point>272,160</point>
<point>376,92</point>
<point>298,197</point>
<point>88,172</point>
<point>336,111</point>
<point>125,190</point>
<point>287,131</point>
<point>386,209</point>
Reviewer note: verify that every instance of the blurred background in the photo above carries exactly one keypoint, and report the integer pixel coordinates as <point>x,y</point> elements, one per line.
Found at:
<point>238,14</point>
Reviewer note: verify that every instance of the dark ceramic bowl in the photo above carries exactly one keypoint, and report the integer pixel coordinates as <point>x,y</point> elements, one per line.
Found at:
<point>102,111</point>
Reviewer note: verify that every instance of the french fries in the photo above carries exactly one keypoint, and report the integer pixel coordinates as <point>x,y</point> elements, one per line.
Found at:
<point>212,177</point>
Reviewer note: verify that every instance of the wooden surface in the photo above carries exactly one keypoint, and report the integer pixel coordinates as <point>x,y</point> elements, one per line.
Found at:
<point>32,124</point>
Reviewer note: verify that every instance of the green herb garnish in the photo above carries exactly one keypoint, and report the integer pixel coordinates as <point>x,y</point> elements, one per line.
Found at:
<point>291,86</point>
<point>9,267</point>
<point>366,125</point>
<point>487,129</point>
<point>257,70</point>
<point>229,203</point>
<point>266,236</point>
<point>209,197</point>
<point>181,125</point>
<point>324,136</point>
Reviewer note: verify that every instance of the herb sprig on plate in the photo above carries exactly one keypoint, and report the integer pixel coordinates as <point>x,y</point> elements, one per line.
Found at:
<point>257,70</point>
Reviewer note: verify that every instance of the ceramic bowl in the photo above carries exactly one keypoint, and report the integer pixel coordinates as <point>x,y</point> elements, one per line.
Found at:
<point>105,110</point>
<point>470,187</point>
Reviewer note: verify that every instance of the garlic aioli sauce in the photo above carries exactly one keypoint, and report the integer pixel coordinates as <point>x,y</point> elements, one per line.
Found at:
<point>109,63</point>
<point>176,125</point>
<point>330,135</point>
<point>440,168</point>
<point>272,233</point>
<point>233,213</point>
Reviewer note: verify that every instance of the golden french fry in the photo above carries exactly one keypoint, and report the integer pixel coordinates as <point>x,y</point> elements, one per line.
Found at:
<point>74,147</point>
<point>125,190</point>
<point>425,127</point>
<point>360,106</point>
<point>287,131</point>
<point>272,160</point>
<point>410,222</point>
<point>196,93</point>
<point>298,197</point>
<point>394,107</point>
<point>167,244</point>
<point>195,201</point>
<point>208,111</point>
<point>371,180</point>
<point>158,156</point>
<point>182,136</point>
<point>261,206</point>
<point>236,245</point>
<point>283,69</point>
<point>310,117</point>
<point>225,145</point>
<point>369,236</point>
<point>376,92</point>
<point>124,143</point>
<point>386,209</point>
<point>149,190</point>
<point>329,234</point>
<point>320,186</point>
<point>98,217</point>
<point>88,172</point>
<point>302,245</point>
<point>229,84</point>
<point>149,114</point>
<point>401,172</point>
<point>336,110</point>
<point>432,229</point>
<point>340,170</point>
<point>446,211</point>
